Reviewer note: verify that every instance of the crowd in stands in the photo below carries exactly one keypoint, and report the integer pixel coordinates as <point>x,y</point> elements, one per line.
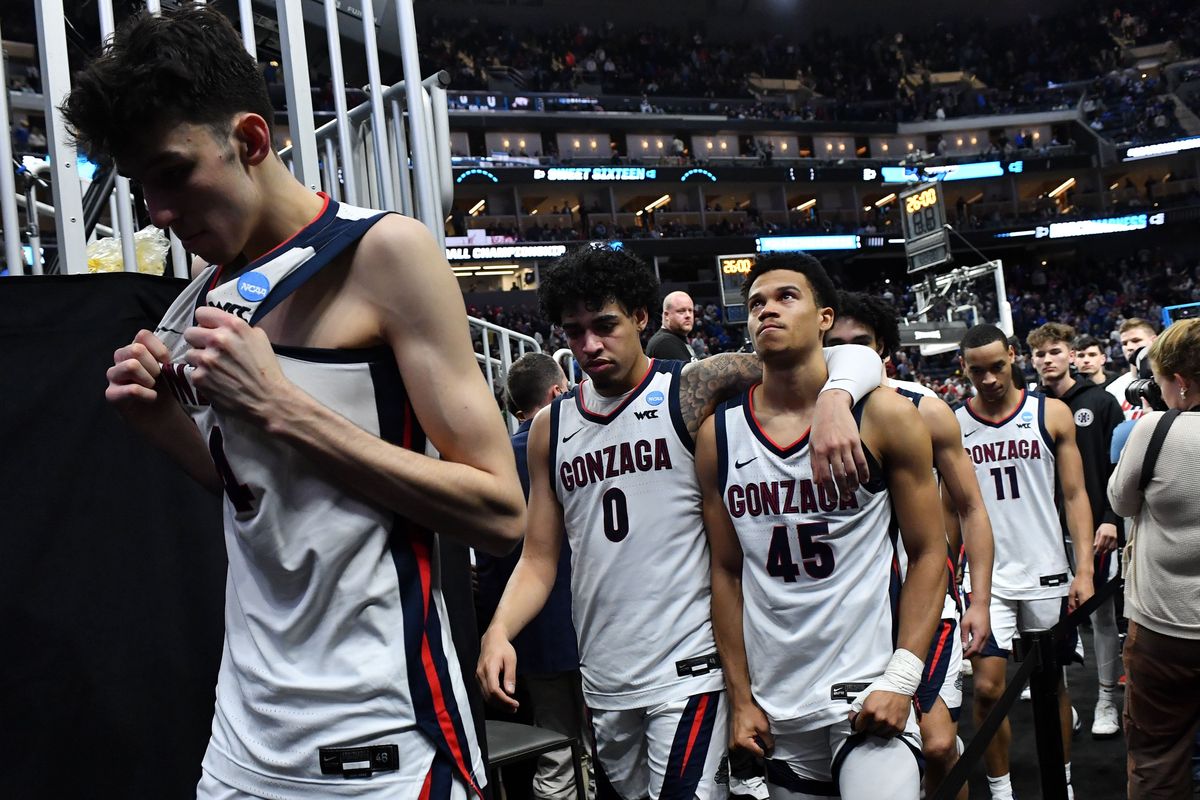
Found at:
<point>1093,295</point>
<point>1128,106</point>
<point>1004,68</point>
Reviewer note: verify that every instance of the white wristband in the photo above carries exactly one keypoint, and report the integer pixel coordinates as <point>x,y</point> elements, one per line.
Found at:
<point>902,676</point>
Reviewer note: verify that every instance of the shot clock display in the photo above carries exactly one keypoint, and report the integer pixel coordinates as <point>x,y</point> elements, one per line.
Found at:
<point>923,222</point>
<point>733,269</point>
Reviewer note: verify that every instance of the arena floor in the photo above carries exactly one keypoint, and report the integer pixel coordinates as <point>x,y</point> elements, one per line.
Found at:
<point>1097,767</point>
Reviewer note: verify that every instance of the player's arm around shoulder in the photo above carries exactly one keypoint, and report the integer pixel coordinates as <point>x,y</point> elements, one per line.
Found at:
<point>401,277</point>
<point>706,383</point>
<point>532,580</point>
<point>749,727</point>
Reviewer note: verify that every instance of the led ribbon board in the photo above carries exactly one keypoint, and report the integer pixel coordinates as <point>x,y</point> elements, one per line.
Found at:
<point>792,244</point>
<point>949,172</point>
<point>629,174</point>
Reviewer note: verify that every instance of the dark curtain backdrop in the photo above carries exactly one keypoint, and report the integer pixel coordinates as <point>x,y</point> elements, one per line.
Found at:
<point>113,565</point>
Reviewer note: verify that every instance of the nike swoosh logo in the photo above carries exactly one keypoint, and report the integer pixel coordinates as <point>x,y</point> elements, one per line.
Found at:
<point>572,436</point>
<point>740,464</point>
<point>972,433</point>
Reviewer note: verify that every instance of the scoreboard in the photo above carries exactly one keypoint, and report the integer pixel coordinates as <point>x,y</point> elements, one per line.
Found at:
<point>923,222</point>
<point>732,271</point>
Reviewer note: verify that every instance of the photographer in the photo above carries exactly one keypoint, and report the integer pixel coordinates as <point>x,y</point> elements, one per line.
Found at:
<point>1160,488</point>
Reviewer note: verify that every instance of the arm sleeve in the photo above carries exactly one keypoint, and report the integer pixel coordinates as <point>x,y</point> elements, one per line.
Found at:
<point>853,368</point>
<point>1123,492</point>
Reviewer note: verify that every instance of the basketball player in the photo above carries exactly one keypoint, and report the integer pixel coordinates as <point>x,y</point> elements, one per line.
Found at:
<point>1018,440</point>
<point>611,469</point>
<point>303,373</point>
<point>862,319</point>
<point>803,579</point>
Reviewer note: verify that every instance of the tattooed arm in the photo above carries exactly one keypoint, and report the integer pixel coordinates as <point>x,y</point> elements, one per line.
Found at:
<point>835,448</point>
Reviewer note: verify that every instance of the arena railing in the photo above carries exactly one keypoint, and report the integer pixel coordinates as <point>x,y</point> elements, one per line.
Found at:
<point>404,168</point>
<point>497,348</point>
<point>1040,668</point>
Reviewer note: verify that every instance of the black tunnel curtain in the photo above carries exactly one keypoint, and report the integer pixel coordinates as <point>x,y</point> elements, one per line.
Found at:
<point>113,565</point>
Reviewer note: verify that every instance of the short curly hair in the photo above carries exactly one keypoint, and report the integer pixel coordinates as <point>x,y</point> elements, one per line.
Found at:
<point>595,276</point>
<point>876,314</point>
<point>186,66</point>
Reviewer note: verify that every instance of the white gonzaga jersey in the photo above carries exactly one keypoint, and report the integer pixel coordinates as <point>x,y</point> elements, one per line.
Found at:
<point>1014,463</point>
<point>336,634</point>
<point>819,579</point>
<point>625,475</point>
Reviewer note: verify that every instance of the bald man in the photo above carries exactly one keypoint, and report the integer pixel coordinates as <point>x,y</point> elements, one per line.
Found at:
<point>670,341</point>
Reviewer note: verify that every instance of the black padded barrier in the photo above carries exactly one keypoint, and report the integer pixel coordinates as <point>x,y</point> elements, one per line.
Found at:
<point>112,571</point>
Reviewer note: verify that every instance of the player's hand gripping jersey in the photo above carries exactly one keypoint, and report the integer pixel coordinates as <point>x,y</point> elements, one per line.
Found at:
<point>335,628</point>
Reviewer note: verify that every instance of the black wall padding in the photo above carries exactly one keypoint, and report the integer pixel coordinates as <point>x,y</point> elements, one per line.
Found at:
<point>112,565</point>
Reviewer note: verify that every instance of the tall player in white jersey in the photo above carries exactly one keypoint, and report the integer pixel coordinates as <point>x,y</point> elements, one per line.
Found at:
<point>1018,441</point>
<point>303,377</point>
<point>611,469</point>
<point>869,321</point>
<point>820,664</point>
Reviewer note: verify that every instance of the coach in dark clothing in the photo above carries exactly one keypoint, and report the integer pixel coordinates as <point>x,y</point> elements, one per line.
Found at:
<point>1097,414</point>
<point>547,650</point>
<point>670,341</point>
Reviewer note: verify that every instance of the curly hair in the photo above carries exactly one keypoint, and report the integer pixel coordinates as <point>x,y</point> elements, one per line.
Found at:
<point>823,289</point>
<point>187,65</point>
<point>595,276</point>
<point>876,315</point>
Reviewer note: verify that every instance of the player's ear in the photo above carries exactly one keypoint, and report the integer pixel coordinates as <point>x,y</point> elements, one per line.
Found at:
<point>826,317</point>
<point>641,318</point>
<point>252,137</point>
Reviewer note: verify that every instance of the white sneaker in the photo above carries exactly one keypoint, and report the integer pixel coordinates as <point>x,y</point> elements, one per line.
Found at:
<point>755,787</point>
<point>1076,725</point>
<point>1105,723</point>
<point>1027,693</point>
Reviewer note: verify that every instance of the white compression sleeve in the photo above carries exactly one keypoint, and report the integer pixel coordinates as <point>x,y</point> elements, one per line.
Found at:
<point>853,368</point>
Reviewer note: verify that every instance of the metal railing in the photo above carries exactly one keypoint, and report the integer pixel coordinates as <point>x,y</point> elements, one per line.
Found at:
<point>395,147</point>
<point>391,152</point>
<point>495,351</point>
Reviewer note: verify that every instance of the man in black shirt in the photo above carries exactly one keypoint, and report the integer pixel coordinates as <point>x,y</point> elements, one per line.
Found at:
<point>670,341</point>
<point>1097,414</point>
<point>1090,360</point>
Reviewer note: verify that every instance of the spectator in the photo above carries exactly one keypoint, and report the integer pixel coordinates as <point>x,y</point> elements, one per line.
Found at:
<point>1162,595</point>
<point>670,341</point>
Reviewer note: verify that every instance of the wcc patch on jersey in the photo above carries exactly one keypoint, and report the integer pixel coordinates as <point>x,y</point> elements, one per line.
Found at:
<point>624,473</point>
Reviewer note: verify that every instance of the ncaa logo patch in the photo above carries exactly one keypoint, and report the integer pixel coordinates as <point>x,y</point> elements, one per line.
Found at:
<point>1027,416</point>
<point>1084,417</point>
<point>655,398</point>
<point>253,286</point>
